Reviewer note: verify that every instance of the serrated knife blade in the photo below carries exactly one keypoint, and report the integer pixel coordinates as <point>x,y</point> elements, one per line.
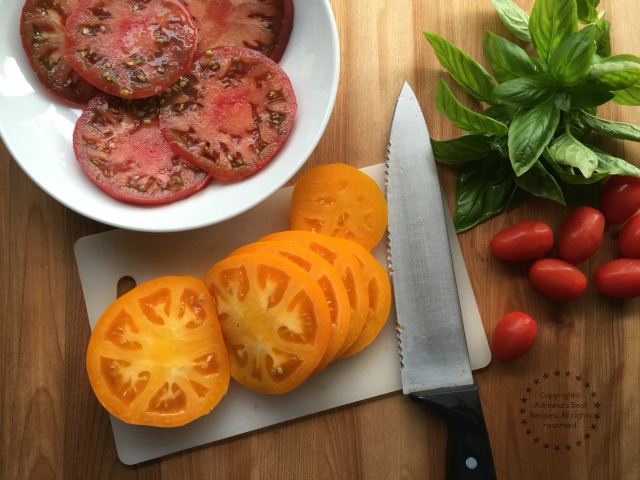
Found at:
<point>435,368</point>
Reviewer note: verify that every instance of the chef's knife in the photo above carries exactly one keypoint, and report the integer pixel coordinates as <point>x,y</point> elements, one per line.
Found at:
<point>435,367</point>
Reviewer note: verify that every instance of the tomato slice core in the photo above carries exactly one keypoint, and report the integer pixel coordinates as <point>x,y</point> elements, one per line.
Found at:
<point>157,357</point>
<point>232,114</point>
<point>347,265</point>
<point>329,280</point>
<point>120,148</point>
<point>274,317</point>
<point>133,48</point>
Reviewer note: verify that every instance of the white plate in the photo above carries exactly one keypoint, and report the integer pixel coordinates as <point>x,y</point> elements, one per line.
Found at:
<point>37,130</point>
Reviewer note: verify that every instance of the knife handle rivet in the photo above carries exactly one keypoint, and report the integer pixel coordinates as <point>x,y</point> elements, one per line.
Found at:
<point>471,463</point>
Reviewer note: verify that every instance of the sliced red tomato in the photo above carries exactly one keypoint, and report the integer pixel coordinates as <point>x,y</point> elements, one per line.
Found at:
<point>131,49</point>
<point>274,317</point>
<point>264,26</point>
<point>119,146</point>
<point>233,114</point>
<point>340,201</point>
<point>349,268</point>
<point>329,280</point>
<point>42,27</point>
<point>156,355</point>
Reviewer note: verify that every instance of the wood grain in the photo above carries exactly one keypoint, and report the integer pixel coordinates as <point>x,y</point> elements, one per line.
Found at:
<point>53,428</point>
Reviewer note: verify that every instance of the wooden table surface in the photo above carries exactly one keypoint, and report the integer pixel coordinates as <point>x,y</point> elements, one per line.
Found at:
<point>585,362</point>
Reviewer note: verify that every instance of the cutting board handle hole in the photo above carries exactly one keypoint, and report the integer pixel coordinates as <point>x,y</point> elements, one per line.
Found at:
<point>125,284</point>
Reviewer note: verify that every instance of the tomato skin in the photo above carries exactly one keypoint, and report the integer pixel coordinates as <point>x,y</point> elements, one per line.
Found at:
<point>557,279</point>
<point>581,234</point>
<point>522,241</point>
<point>514,335</point>
<point>629,239</point>
<point>620,199</point>
<point>619,278</point>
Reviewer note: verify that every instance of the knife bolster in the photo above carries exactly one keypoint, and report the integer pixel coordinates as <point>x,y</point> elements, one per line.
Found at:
<point>468,448</point>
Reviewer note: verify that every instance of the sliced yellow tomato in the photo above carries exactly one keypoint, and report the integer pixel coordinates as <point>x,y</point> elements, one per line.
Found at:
<point>156,355</point>
<point>379,288</point>
<point>274,317</point>
<point>347,266</point>
<point>329,280</point>
<point>339,200</point>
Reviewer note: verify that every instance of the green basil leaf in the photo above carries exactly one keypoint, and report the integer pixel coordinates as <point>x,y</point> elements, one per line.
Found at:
<point>629,96</point>
<point>525,92</point>
<point>514,18</point>
<point>623,131</point>
<point>506,59</point>
<point>570,63</point>
<point>466,148</point>
<point>502,113</point>
<point>550,23</point>
<point>622,57</point>
<point>615,75</point>
<point>603,39</point>
<point>483,189</point>
<point>567,174</point>
<point>462,117</point>
<point>611,165</point>
<point>467,73</point>
<point>539,182</point>
<point>588,95</point>
<point>530,132</point>
<point>563,101</point>
<point>587,12</point>
<point>566,150</point>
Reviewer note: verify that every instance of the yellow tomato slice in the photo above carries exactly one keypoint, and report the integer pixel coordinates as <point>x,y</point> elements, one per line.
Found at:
<point>339,200</point>
<point>329,280</point>
<point>347,266</point>
<point>156,355</point>
<point>275,320</point>
<point>379,288</point>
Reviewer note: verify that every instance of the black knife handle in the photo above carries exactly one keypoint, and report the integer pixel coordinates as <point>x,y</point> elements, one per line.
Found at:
<point>468,448</point>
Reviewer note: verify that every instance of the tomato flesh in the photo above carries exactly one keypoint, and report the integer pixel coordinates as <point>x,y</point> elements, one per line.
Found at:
<point>522,241</point>
<point>581,234</point>
<point>349,268</point>
<point>42,30</point>
<point>628,242</point>
<point>157,357</point>
<point>329,280</point>
<point>619,278</point>
<point>120,148</point>
<point>514,335</point>
<point>131,49</point>
<point>274,317</point>
<point>557,279</point>
<point>259,25</point>
<point>339,200</point>
<point>233,113</point>
<point>620,199</point>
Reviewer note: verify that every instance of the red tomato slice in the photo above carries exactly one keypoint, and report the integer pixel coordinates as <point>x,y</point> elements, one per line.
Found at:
<point>133,48</point>
<point>259,25</point>
<point>120,147</point>
<point>233,114</point>
<point>42,34</point>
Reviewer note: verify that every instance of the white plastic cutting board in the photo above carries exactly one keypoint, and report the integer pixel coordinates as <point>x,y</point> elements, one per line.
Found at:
<point>105,258</point>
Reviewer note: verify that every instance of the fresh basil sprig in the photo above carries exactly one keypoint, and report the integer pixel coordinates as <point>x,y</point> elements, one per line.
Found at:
<point>532,137</point>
